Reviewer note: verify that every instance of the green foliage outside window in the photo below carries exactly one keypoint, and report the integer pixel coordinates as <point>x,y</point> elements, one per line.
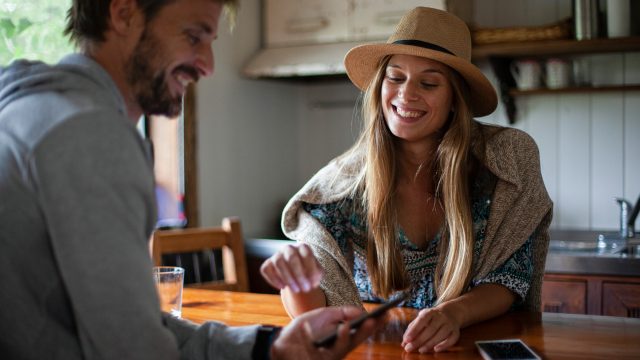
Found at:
<point>32,29</point>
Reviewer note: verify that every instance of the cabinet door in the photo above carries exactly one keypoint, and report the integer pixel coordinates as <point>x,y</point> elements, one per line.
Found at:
<point>564,296</point>
<point>303,22</point>
<point>621,299</point>
<point>376,19</point>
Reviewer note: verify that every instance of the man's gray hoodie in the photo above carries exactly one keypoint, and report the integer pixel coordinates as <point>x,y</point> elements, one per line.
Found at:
<point>76,210</point>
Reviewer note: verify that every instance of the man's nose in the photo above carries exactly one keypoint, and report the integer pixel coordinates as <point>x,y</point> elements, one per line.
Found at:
<point>205,61</point>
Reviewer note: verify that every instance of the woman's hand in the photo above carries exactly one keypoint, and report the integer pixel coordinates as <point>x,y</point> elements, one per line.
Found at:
<point>438,328</point>
<point>432,331</point>
<point>294,267</point>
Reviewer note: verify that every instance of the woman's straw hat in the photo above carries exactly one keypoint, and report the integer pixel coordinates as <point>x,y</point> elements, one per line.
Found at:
<point>432,34</point>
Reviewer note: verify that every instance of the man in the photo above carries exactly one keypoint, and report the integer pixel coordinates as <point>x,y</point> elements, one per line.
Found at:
<point>77,200</point>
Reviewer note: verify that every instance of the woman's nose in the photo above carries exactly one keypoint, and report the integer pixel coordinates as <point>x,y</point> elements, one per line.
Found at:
<point>408,91</point>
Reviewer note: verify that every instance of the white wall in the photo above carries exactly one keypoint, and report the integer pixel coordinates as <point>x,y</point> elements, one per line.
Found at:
<point>247,135</point>
<point>260,140</point>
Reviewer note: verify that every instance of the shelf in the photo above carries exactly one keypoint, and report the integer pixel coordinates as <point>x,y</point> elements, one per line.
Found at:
<point>570,90</point>
<point>501,55</point>
<point>556,47</point>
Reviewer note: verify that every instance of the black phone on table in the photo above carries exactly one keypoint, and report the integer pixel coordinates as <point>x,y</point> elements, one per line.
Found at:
<point>357,322</point>
<point>512,349</point>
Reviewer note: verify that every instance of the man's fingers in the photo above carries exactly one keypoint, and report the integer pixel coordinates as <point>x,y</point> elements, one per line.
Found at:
<point>366,330</point>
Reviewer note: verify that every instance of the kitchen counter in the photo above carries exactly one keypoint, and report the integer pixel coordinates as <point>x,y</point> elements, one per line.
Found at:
<point>570,252</point>
<point>577,252</point>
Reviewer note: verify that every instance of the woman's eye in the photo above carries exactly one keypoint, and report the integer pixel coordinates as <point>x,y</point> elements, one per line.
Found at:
<point>428,85</point>
<point>394,79</point>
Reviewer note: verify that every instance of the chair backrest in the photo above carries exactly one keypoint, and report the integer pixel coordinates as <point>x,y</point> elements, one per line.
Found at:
<point>227,238</point>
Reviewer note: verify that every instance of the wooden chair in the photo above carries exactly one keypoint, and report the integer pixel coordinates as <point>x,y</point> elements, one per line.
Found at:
<point>227,238</point>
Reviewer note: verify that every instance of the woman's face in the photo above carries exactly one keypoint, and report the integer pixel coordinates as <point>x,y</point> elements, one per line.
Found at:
<point>416,97</point>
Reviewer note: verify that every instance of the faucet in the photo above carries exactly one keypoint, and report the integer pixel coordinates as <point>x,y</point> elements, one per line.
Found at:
<point>632,218</point>
<point>627,220</point>
<point>628,217</point>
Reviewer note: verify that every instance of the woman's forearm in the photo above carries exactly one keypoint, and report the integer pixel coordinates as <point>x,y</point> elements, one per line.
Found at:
<point>481,303</point>
<point>301,302</point>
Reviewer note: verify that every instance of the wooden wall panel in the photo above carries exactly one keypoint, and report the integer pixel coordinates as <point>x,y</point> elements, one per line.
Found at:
<point>573,162</point>
<point>543,127</point>
<point>607,152</point>
<point>632,130</point>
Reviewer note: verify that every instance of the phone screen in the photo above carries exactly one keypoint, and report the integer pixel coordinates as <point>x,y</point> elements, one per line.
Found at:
<point>506,350</point>
<point>355,323</point>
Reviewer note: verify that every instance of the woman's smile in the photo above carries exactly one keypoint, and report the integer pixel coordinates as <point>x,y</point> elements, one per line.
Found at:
<point>408,114</point>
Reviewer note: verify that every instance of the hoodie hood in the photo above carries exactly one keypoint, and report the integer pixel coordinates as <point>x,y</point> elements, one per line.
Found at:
<point>76,71</point>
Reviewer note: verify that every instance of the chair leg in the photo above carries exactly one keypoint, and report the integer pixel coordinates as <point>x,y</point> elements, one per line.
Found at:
<point>196,267</point>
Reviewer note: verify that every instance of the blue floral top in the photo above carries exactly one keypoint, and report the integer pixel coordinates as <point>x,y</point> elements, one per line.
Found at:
<point>348,228</point>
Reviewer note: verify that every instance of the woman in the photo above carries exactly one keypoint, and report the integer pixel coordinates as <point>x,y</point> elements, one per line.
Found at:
<point>428,201</point>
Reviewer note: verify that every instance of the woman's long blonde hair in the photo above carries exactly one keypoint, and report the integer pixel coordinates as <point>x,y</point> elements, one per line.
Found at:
<point>376,185</point>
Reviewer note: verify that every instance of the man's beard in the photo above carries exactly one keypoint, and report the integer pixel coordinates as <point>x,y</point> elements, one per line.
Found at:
<point>151,91</point>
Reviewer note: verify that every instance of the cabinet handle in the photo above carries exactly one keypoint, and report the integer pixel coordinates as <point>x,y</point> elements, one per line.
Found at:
<point>306,25</point>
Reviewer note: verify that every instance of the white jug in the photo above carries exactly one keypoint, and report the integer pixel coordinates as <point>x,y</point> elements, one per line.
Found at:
<point>526,73</point>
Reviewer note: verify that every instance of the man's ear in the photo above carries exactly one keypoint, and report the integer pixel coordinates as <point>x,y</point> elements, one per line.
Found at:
<point>122,15</point>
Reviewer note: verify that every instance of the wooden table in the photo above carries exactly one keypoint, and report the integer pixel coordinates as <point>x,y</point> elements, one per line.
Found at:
<point>552,336</point>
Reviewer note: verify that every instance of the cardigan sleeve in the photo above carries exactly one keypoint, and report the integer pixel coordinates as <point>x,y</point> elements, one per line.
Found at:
<point>514,274</point>
<point>521,207</point>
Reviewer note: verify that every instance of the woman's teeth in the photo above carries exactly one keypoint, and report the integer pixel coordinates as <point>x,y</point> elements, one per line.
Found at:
<point>409,113</point>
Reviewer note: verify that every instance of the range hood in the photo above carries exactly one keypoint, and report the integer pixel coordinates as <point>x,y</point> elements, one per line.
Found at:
<point>299,61</point>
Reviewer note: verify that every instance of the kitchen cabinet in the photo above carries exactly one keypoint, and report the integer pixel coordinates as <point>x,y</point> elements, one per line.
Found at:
<point>501,56</point>
<point>302,22</point>
<point>589,294</point>
<point>564,296</point>
<point>621,299</point>
<point>305,22</point>
<point>376,19</point>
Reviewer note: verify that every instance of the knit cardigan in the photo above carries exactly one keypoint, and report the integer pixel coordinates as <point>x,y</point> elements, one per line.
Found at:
<point>520,208</point>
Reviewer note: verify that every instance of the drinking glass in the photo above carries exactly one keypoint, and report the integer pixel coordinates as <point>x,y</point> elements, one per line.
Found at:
<point>169,282</point>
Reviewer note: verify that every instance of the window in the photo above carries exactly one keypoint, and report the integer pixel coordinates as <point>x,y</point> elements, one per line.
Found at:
<point>174,165</point>
<point>32,29</point>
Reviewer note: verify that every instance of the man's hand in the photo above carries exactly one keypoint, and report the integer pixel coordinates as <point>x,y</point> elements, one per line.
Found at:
<point>296,339</point>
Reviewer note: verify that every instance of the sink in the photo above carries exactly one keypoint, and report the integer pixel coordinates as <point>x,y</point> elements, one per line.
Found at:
<point>603,245</point>
<point>577,252</point>
<point>566,245</point>
<point>630,249</point>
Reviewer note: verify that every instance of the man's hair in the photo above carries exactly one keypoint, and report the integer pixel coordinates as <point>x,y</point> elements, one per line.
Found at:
<point>87,19</point>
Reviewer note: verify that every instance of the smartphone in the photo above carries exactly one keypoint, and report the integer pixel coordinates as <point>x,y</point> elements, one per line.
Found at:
<point>328,340</point>
<point>512,349</point>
